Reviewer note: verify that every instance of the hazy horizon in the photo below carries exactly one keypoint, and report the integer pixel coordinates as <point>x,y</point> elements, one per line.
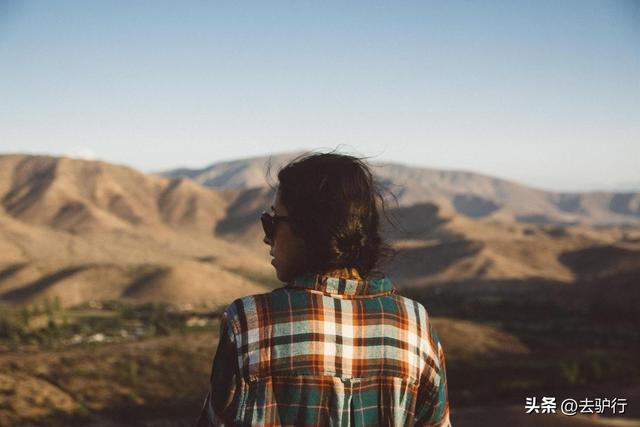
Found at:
<point>622,188</point>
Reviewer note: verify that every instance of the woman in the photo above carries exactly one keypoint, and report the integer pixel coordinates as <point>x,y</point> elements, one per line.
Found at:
<point>336,345</point>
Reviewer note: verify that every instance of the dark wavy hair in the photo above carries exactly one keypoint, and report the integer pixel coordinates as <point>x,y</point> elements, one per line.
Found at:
<point>333,201</point>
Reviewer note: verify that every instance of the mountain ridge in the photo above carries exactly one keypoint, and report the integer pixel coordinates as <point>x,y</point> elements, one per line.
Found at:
<point>467,193</point>
<point>85,230</point>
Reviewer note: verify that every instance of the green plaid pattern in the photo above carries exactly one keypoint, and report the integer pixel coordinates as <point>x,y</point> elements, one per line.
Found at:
<point>328,351</point>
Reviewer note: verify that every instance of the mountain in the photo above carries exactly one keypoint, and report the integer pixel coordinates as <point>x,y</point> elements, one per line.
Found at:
<point>236,174</point>
<point>446,243</point>
<point>83,230</point>
<point>470,194</point>
<point>88,230</point>
<point>78,195</point>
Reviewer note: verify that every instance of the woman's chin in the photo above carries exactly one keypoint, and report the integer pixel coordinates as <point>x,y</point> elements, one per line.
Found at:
<point>279,273</point>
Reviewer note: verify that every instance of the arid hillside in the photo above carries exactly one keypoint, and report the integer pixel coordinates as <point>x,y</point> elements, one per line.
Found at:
<point>451,253</point>
<point>469,194</point>
<point>87,230</point>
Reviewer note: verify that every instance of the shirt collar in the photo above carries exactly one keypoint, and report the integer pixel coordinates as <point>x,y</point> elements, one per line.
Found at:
<point>343,282</point>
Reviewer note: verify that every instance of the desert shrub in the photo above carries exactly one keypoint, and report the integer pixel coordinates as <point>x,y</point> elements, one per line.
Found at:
<point>11,328</point>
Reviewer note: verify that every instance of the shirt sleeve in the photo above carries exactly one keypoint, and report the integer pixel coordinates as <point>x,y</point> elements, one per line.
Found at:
<point>219,405</point>
<point>432,408</point>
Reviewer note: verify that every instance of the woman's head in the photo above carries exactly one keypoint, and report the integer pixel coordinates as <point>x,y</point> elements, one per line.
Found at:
<point>331,206</point>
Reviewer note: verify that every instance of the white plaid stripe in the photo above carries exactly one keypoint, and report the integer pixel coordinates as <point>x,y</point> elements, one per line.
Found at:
<point>351,287</point>
<point>333,284</point>
<point>330,348</point>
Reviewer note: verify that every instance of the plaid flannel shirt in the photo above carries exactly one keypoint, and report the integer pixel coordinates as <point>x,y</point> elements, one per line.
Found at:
<point>325,350</point>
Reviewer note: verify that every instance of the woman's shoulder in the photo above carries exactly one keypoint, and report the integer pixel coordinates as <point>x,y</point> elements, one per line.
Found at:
<point>414,309</point>
<point>243,310</point>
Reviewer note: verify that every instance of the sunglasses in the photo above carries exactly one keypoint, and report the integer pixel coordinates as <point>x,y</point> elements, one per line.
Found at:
<point>270,223</point>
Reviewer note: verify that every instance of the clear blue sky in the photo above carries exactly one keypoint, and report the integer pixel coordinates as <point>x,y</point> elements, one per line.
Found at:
<point>542,92</point>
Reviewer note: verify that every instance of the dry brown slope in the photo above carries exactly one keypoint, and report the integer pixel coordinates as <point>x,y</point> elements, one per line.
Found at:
<point>83,230</point>
<point>81,196</point>
<point>45,263</point>
<point>435,248</point>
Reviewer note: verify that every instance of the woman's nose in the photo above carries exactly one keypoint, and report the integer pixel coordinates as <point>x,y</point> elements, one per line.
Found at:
<point>267,241</point>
